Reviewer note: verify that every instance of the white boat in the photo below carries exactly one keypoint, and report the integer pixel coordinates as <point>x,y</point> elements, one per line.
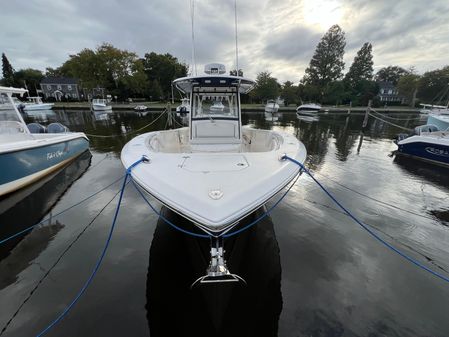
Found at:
<point>214,172</point>
<point>217,106</point>
<point>309,109</point>
<point>140,108</point>
<point>271,116</point>
<point>184,108</point>
<point>101,104</point>
<point>434,109</point>
<point>26,157</point>
<point>427,143</point>
<point>36,104</point>
<point>271,106</point>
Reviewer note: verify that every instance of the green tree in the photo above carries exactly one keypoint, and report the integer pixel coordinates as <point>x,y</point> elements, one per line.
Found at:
<point>7,72</point>
<point>164,68</point>
<point>364,91</point>
<point>266,87</point>
<point>289,93</point>
<point>156,91</point>
<point>137,81</point>
<point>390,74</point>
<point>87,67</point>
<point>31,78</point>
<point>362,67</point>
<point>433,86</point>
<point>119,71</point>
<point>327,63</point>
<point>334,93</point>
<point>116,63</point>
<point>408,87</point>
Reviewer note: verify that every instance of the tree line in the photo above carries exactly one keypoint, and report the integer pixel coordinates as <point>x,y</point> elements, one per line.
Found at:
<point>324,81</point>
<point>119,72</point>
<point>123,74</point>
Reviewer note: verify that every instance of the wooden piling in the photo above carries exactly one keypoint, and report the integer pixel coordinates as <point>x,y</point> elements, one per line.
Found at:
<point>368,110</point>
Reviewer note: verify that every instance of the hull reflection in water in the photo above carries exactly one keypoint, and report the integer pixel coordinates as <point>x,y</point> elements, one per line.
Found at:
<point>28,206</point>
<point>226,309</point>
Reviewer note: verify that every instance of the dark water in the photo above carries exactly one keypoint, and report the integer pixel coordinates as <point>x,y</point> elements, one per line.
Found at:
<point>310,270</point>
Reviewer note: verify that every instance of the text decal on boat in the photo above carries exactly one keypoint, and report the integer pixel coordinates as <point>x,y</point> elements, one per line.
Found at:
<point>438,152</point>
<point>56,154</point>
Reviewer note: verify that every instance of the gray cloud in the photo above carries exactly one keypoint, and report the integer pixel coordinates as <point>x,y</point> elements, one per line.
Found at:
<point>295,45</point>
<point>274,35</point>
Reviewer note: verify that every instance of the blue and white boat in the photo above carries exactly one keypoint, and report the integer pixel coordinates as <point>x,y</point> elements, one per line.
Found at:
<point>26,157</point>
<point>428,143</point>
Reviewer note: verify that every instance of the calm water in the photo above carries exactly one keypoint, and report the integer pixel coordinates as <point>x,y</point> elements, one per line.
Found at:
<point>310,270</point>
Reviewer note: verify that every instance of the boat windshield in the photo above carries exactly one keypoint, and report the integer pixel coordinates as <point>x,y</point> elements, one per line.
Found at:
<point>9,120</point>
<point>215,102</point>
<point>7,111</point>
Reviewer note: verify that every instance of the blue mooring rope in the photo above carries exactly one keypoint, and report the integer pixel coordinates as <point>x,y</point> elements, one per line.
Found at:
<point>102,255</point>
<point>285,157</point>
<point>365,227</point>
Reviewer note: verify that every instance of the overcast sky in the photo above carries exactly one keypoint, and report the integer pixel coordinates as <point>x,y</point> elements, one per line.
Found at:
<point>275,35</point>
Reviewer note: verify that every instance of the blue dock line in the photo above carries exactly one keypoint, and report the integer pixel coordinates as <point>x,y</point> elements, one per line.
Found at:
<point>100,260</point>
<point>365,227</point>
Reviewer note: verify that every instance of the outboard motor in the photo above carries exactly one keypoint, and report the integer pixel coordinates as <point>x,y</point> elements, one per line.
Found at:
<point>57,128</point>
<point>36,128</point>
<point>400,137</point>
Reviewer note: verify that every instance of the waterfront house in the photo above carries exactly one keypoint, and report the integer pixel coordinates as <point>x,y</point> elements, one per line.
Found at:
<point>61,88</point>
<point>388,94</point>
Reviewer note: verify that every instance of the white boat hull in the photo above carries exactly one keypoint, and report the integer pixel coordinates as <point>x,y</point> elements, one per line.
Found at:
<point>98,107</point>
<point>214,186</point>
<point>36,107</point>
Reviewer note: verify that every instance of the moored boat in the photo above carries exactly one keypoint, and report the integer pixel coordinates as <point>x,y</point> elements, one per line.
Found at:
<point>310,109</point>
<point>184,108</point>
<point>26,157</point>
<point>101,104</point>
<point>271,106</point>
<point>434,109</point>
<point>214,172</point>
<point>140,108</point>
<point>217,106</point>
<point>35,103</point>
<point>427,143</point>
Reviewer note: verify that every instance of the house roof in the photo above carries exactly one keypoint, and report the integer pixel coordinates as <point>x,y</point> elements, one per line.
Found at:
<point>386,85</point>
<point>59,80</point>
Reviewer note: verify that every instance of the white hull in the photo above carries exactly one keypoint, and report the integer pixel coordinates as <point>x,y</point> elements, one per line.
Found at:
<point>214,186</point>
<point>35,107</point>
<point>271,107</point>
<point>308,109</point>
<point>269,116</point>
<point>98,107</point>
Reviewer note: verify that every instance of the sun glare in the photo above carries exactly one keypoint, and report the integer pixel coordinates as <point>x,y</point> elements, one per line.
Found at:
<point>323,13</point>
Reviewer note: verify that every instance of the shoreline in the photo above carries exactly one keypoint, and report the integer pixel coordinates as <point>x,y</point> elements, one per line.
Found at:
<point>157,107</point>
